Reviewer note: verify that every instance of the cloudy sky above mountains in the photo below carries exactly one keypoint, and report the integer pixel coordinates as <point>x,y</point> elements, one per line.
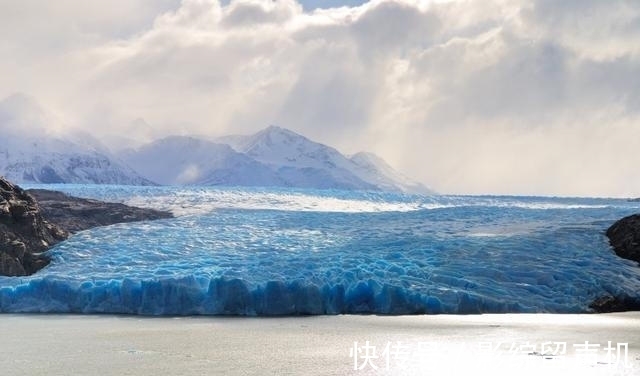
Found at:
<point>485,96</point>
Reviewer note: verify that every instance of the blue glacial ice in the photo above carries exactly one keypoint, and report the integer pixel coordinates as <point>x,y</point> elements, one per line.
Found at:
<point>251,251</point>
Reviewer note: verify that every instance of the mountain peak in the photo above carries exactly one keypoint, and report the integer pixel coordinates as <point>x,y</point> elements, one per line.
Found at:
<point>276,142</point>
<point>274,128</point>
<point>274,131</point>
<point>282,148</point>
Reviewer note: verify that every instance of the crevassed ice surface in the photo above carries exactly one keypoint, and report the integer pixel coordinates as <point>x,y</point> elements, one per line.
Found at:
<point>251,251</point>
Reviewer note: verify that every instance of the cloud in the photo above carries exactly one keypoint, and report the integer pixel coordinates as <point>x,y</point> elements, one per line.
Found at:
<point>521,97</point>
<point>189,175</point>
<point>252,13</point>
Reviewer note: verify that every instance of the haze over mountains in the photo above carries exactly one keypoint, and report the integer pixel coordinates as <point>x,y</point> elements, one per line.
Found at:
<point>31,151</point>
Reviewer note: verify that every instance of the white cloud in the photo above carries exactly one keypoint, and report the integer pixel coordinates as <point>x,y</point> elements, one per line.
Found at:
<point>469,96</point>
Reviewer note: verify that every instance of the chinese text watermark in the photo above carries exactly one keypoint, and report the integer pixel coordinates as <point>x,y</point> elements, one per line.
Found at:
<point>371,356</point>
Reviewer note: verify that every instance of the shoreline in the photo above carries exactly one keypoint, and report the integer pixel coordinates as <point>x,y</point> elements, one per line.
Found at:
<point>39,344</point>
<point>33,221</point>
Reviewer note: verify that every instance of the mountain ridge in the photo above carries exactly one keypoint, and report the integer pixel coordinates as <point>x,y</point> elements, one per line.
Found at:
<point>35,147</point>
<point>276,156</point>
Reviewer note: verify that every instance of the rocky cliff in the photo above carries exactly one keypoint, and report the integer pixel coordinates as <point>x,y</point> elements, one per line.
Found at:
<point>624,236</point>
<point>24,233</point>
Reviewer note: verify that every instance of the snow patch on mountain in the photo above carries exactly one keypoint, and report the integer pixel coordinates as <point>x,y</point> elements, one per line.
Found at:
<point>375,170</point>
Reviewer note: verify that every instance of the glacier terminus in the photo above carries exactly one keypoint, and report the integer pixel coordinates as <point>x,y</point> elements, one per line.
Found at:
<point>282,251</point>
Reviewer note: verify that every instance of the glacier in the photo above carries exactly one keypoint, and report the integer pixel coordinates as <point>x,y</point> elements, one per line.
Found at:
<point>276,251</point>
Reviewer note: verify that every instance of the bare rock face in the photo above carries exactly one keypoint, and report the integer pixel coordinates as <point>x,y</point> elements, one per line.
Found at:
<point>76,214</point>
<point>624,236</point>
<point>607,303</point>
<point>24,233</point>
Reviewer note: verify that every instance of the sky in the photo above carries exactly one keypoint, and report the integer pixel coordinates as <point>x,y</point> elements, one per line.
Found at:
<point>538,97</point>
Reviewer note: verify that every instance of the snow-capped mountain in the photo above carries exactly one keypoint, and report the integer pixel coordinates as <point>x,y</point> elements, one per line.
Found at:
<point>179,160</point>
<point>35,147</point>
<point>272,157</point>
<point>300,161</point>
<point>32,150</point>
<point>286,150</point>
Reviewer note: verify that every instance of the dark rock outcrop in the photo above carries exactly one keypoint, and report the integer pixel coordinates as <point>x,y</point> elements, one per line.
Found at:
<point>624,236</point>
<point>32,221</point>
<point>24,233</point>
<point>606,304</point>
<point>76,214</point>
